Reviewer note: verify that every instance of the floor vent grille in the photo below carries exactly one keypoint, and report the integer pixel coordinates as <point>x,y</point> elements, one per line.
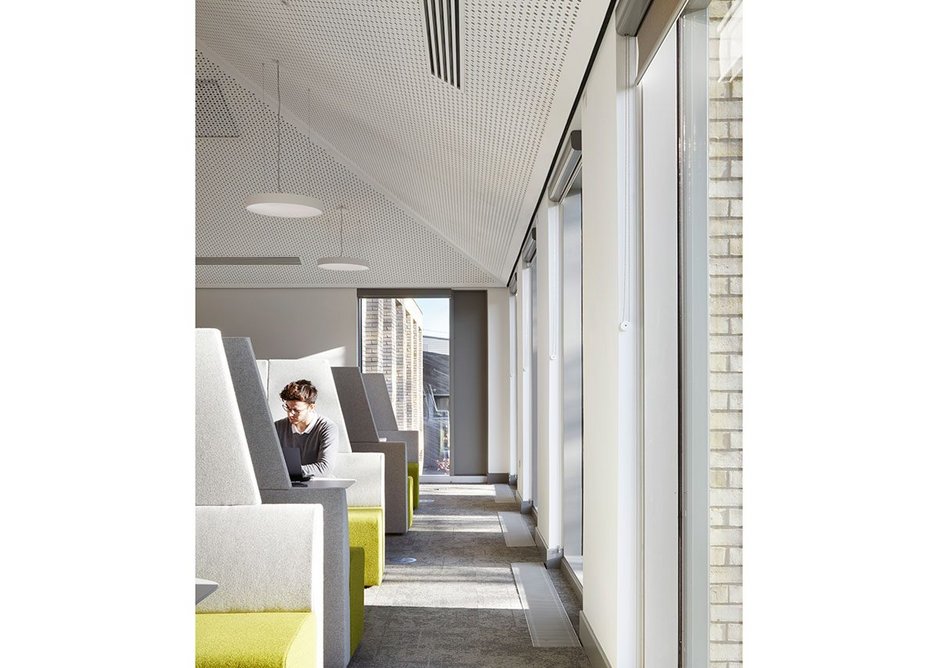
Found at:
<point>504,494</point>
<point>547,620</point>
<point>515,530</point>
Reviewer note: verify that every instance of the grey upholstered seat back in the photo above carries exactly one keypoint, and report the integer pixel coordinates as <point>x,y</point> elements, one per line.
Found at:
<point>379,399</point>
<point>355,407</point>
<point>263,443</point>
<point>264,370</point>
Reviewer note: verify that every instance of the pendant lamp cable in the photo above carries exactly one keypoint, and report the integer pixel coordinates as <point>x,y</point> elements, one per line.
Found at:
<point>264,80</point>
<point>342,231</point>
<point>309,141</point>
<point>280,204</point>
<point>279,189</point>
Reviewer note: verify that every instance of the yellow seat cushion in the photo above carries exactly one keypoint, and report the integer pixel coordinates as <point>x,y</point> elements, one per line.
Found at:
<point>413,472</point>
<point>256,640</point>
<point>366,530</point>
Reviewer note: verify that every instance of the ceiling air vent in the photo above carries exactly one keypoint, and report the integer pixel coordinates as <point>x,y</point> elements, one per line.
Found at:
<point>442,17</point>
<point>254,261</point>
<point>213,118</point>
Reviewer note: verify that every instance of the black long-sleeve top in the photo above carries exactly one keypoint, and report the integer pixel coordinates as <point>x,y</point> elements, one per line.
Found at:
<point>317,446</point>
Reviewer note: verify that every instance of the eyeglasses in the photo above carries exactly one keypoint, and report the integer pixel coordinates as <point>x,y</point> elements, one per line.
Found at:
<point>294,411</point>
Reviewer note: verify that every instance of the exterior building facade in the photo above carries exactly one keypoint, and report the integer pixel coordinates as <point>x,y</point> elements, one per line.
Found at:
<point>726,340</point>
<point>392,344</point>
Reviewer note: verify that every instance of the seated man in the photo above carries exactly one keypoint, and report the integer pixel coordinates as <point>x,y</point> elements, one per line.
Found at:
<point>316,436</point>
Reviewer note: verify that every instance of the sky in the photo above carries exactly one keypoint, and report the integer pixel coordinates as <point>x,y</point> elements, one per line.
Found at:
<point>435,317</point>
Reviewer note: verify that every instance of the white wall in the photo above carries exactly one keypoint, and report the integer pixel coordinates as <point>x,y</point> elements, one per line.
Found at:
<point>611,357</point>
<point>285,323</point>
<point>500,377</point>
<point>513,385</point>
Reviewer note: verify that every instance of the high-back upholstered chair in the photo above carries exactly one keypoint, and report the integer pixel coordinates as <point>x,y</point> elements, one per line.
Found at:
<point>319,373</point>
<point>266,559</point>
<point>264,370</point>
<point>366,498</point>
<point>382,412</point>
<point>275,487</point>
<point>360,421</point>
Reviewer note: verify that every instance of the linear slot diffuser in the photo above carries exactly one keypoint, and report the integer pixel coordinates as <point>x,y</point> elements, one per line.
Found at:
<point>252,261</point>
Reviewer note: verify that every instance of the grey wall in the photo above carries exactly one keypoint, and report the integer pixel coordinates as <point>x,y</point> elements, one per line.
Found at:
<point>285,323</point>
<point>469,383</point>
<point>499,396</point>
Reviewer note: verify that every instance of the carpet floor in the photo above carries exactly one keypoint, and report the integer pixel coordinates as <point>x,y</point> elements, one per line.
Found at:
<point>456,604</point>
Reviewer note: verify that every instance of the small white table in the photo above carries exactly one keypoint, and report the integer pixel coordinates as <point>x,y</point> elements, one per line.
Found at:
<point>327,483</point>
<point>203,588</point>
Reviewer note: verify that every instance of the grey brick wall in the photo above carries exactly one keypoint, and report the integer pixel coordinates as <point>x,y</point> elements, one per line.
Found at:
<point>392,343</point>
<point>726,349</point>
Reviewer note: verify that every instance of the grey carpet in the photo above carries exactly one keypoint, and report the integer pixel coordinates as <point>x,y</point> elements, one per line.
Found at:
<point>457,604</point>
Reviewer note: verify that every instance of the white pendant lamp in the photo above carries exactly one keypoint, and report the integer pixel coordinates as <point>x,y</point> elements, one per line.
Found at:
<point>281,204</point>
<point>342,262</point>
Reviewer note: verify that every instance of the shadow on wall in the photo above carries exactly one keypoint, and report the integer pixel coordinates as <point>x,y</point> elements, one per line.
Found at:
<point>333,357</point>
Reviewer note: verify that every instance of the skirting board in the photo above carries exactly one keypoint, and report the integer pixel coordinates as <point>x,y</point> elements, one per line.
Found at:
<point>551,556</point>
<point>588,639</point>
<point>496,478</point>
<point>524,506</point>
<point>572,579</point>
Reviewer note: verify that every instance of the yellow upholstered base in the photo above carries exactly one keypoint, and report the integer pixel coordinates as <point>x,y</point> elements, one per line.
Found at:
<point>256,640</point>
<point>356,596</point>
<point>410,505</point>
<point>413,472</point>
<point>366,530</point>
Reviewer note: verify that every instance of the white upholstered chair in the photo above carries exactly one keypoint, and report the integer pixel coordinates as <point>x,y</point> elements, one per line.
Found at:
<point>266,559</point>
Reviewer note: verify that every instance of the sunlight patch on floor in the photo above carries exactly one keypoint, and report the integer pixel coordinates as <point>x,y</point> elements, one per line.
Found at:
<point>457,490</point>
<point>457,523</point>
<point>470,587</point>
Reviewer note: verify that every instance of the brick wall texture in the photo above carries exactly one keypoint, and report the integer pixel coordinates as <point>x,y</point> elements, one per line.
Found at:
<point>726,350</point>
<point>392,344</point>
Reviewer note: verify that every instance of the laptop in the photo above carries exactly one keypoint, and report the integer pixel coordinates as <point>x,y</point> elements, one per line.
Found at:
<point>292,457</point>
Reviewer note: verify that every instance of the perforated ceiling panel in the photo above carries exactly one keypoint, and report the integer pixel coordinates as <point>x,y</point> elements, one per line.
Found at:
<point>466,163</point>
<point>212,115</point>
<point>400,250</point>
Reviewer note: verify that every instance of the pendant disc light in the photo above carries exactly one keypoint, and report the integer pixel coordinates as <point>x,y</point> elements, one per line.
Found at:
<point>281,204</point>
<point>342,262</point>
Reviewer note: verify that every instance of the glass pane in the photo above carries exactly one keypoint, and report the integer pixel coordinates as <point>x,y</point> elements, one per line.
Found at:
<point>572,373</point>
<point>436,385</point>
<point>533,365</point>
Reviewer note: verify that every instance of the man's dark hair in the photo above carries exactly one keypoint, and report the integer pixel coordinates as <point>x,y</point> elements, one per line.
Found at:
<point>300,390</point>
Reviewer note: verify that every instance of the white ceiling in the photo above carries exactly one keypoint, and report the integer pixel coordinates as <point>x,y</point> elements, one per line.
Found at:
<point>439,182</point>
